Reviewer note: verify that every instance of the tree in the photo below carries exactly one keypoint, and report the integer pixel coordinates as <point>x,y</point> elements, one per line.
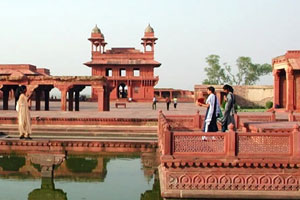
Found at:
<point>248,72</point>
<point>215,73</point>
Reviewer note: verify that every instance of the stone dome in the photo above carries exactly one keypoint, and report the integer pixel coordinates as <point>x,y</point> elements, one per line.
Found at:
<point>149,29</point>
<point>96,30</point>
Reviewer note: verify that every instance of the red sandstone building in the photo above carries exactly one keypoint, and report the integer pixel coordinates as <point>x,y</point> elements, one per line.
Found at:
<point>129,71</point>
<point>39,83</point>
<point>286,71</point>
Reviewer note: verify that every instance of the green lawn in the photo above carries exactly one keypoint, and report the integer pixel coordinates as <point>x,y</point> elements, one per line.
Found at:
<point>252,110</point>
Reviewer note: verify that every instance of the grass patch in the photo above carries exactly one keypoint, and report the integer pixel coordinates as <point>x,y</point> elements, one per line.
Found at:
<point>251,110</point>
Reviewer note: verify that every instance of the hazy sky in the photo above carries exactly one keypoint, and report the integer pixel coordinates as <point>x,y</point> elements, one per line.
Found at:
<point>53,33</point>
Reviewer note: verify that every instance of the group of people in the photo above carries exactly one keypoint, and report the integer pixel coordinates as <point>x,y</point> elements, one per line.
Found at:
<point>214,113</point>
<point>168,102</point>
<point>22,107</point>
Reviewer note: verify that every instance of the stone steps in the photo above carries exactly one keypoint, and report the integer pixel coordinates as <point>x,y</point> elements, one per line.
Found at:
<point>90,131</point>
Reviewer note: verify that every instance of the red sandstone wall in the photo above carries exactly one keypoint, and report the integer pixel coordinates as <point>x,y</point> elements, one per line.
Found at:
<point>246,96</point>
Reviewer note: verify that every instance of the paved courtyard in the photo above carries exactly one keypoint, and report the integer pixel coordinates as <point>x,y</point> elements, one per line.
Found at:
<point>132,110</point>
<point>89,109</point>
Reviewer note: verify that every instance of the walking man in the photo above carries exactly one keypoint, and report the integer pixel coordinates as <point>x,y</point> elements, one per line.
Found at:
<point>229,112</point>
<point>154,103</point>
<point>168,101</point>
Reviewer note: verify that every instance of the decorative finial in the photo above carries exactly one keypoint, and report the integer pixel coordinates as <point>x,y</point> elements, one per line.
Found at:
<point>149,29</point>
<point>96,29</point>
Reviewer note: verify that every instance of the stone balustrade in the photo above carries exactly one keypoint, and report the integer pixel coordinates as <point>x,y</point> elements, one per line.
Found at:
<point>234,164</point>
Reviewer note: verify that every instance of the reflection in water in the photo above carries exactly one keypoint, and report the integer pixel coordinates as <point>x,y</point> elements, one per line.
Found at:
<point>89,176</point>
<point>47,192</point>
<point>153,194</point>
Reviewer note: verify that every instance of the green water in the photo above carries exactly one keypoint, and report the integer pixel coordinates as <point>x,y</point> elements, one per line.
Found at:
<point>80,177</point>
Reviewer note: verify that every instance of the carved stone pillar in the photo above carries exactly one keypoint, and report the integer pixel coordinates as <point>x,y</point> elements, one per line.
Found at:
<point>70,100</point>
<point>5,97</point>
<point>276,74</point>
<point>290,89</point>
<point>46,94</point>
<point>101,100</point>
<point>63,98</point>
<point>77,100</point>
<point>37,99</point>
<point>130,91</point>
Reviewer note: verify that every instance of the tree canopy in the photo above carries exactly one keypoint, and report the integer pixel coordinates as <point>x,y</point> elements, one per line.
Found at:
<point>248,73</point>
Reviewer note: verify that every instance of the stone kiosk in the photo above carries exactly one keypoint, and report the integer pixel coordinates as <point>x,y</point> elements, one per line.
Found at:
<point>286,72</point>
<point>39,82</point>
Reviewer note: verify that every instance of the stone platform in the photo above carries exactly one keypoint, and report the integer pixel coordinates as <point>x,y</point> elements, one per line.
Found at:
<point>235,164</point>
<point>76,145</point>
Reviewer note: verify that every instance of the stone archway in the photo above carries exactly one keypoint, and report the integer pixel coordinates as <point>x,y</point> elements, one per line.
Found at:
<point>122,91</point>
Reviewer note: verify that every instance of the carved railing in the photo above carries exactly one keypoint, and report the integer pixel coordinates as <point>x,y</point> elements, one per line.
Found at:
<point>185,122</point>
<point>240,119</point>
<point>213,165</point>
<point>234,145</point>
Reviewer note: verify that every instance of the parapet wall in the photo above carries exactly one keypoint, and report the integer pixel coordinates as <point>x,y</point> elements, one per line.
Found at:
<point>234,164</point>
<point>246,95</point>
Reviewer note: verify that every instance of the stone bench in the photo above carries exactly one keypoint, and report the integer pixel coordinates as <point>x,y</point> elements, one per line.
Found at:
<point>120,104</point>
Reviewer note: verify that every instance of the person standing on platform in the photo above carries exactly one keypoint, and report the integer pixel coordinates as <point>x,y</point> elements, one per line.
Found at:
<point>175,102</point>
<point>229,112</point>
<point>168,101</point>
<point>154,103</point>
<point>23,114</point>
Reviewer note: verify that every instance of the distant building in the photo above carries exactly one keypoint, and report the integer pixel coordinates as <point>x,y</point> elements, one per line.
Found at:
<point>129,71</point>
<point>286,71</point>
<point>39,83</point>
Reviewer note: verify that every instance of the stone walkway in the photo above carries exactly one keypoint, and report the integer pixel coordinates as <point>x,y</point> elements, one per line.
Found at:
<point>89,109</point>
<point>133,110</point>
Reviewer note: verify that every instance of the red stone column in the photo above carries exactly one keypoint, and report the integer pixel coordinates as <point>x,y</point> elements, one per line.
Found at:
<point>107,99</point>
<point>77,100</point>
<point>37,99</point>
<point>70,100</point>
<point>101,100</point>
<point>63,100</point>
<point>5,98</point>
<point>290,90</point>
<point>46,94</point>
<point>130,91</point>
<point>276,74</point>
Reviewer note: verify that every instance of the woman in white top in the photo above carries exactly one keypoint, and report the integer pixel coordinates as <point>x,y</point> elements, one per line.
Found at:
<point>213,110</point>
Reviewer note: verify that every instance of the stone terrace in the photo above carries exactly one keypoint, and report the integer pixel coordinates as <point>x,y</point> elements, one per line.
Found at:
<point>133,110</point>
<point>89,110</point>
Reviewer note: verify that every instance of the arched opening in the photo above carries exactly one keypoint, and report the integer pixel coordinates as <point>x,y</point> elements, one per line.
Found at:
<point>42,93</point>
<point>7,93</point>
<point>148,47</point>
<point>122,91</point>
<point>54,98</point>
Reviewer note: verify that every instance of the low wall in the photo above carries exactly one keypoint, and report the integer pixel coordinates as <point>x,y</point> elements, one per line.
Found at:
<point>16,145</point>
<point>246,95</point>
<point>234,164</point>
